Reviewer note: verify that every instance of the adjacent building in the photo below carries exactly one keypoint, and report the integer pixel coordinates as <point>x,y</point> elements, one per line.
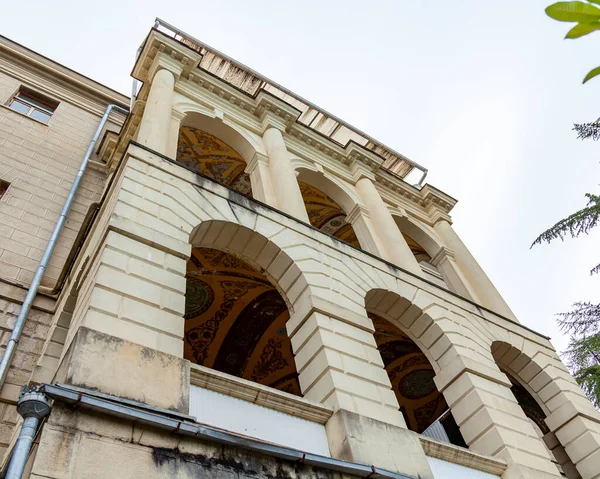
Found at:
<point>247,286</point>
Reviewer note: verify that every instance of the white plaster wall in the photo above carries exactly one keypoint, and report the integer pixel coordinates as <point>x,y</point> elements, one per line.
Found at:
<point>243,417</point>
<point>447,470</point>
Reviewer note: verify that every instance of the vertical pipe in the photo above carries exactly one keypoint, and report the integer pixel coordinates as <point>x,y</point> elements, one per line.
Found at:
<point>20,453</point>
<point>39,274</point>
<point>33,406</point>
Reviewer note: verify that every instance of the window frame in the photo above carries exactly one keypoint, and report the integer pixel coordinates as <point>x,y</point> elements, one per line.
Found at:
<point>24,96</point>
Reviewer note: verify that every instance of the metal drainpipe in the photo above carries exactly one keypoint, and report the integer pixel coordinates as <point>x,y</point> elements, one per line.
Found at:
<point>11,347</point>
<point>33,406</point>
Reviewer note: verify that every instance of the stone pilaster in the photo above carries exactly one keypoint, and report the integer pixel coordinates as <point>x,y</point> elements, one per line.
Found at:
<point>260,178</point>
<point>360,220</point>
<point>445,263</point>
<point>484,290</point>
<point>339,365</point>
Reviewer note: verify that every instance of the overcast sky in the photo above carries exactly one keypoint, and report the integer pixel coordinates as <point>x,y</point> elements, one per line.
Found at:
<point>484,94</point>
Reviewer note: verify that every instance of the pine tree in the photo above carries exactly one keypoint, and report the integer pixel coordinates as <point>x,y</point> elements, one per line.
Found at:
<point>582,323</point>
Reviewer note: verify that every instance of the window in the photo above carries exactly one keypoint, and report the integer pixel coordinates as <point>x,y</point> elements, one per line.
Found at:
<point>33,105</point>
<point>3,187</point>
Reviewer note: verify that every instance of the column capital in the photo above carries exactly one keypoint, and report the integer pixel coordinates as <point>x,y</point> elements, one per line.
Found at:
<point>271,120</point>
<point>443,254</point>
<point>257,159</point>
<point>357,212</point>
<point>162,61</point>
<point>177,115</point>
<point>438,216</point>
<point>360,170</point>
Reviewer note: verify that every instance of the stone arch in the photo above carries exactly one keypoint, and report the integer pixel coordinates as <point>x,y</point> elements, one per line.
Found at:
<point>215,149</point>
<point>406,337</point>
<point>237,306</point>
<point>243,141</point>
<point>258,251</point>
<point>328,205</point>
<point>530,381</point>
<point>418,233</point>
<point>407,316</point>
<point>329,185</point>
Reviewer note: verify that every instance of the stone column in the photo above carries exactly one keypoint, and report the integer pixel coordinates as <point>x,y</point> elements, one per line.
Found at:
<point>283,176</point>
<point>260,179</point>
<point>397,250</point>
<point>484,290</point>
<point>490,419</point>
<point>156,120</point>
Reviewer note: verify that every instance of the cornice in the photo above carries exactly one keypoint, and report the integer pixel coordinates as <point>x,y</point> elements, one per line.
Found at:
<point>35,70</point>
<point>264,110</point>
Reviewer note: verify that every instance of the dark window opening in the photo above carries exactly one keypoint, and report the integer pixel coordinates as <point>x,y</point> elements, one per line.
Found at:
<point>3,187</point>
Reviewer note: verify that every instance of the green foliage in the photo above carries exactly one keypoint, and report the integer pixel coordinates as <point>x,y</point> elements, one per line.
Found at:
<point>580,222</point>
<point>587,19</point>
<point>588,130</point>
<point>583,357</point>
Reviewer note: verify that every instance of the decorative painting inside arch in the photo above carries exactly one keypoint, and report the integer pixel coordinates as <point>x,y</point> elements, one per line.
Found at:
<point>325,214</point>
<point>213,158</point>
<point>411,375</point>
<point>235,321</point>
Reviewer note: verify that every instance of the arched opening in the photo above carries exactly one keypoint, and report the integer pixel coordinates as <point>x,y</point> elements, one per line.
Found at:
<point>212,157</point>
<point>510,360</point>
<point>235,321</point>
<point>398,325</point>
<point>424,408</point>
<point>424,248</point>
<point>326,214</point>
<point>207,146</point>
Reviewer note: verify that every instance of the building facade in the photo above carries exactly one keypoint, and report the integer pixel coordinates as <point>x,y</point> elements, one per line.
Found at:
<point>247,286</point>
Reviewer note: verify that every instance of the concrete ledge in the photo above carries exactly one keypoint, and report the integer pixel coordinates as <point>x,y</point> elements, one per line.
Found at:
<point>258,394</point>
<point>462,456</point>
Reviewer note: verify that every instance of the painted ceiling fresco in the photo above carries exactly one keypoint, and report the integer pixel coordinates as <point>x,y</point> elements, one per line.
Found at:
<point>211,157</point>
<point>326,215</point>
<point>417,249</point>
<point>235,321</point>
<point>411,376</point>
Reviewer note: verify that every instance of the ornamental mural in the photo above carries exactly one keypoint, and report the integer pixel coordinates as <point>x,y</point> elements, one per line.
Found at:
<point>326,215</point>
<point>235,321</point>
<point>211,157</point>
<point>411,376</point>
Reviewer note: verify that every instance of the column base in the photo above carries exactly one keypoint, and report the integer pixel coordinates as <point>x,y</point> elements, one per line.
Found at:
<point>357,438</point>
